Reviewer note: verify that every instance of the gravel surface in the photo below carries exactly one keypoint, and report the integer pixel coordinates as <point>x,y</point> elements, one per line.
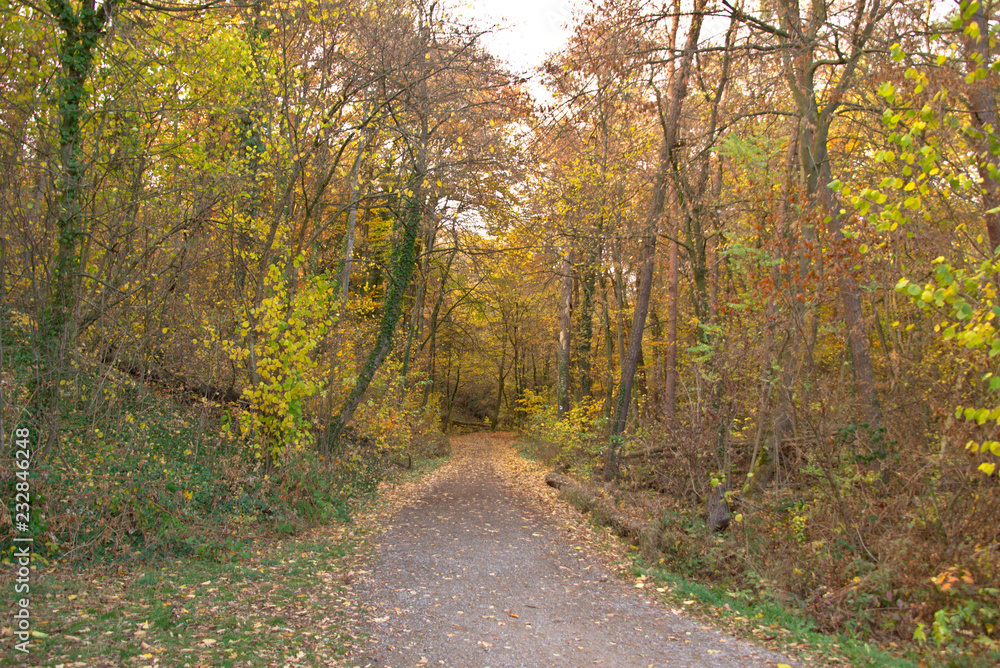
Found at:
<point>480,566</point>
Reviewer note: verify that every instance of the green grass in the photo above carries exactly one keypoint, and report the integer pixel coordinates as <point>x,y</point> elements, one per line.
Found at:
<point>766,620</point>
<point>285,597</point>
<point>270,601</point>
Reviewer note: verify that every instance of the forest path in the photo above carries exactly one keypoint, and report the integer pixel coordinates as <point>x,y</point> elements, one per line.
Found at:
<point>480,565</point>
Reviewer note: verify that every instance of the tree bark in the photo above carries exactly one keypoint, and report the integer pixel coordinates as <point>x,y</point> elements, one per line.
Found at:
<point>352,218</point>
<point>402,269</point>
<point>670,124</point>
<point>500,384</point>
<point>565,323</point>
<point>631,361</point>
<point>432,337</point>
<point>586,332</point>
<point>800,44</point>
<point>417,319</point>
<point>671,379</point>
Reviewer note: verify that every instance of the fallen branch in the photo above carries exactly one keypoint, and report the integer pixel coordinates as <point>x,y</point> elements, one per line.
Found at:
<point>470,425</point>
<point>589,500</point>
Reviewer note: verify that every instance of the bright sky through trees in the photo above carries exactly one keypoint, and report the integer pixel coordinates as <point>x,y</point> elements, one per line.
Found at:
<point>529,29</point>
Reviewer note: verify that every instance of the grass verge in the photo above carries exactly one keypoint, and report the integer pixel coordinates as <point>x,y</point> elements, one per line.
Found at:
<point>766,622</point>
<point>272,603</point>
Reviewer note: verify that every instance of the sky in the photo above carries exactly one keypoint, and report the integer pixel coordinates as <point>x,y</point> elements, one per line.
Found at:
<point>530,29</point>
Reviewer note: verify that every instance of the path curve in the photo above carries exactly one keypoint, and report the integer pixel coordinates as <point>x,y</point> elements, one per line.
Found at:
<point>477,570</point>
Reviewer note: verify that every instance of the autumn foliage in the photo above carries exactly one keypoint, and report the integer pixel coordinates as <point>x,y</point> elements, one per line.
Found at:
<point>744,253</point>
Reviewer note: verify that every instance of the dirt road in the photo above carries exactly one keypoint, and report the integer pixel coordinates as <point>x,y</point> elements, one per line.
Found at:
<point>481,567</point>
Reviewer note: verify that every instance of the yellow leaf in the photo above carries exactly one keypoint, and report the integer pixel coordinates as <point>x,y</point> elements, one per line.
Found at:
<point>987,467</point>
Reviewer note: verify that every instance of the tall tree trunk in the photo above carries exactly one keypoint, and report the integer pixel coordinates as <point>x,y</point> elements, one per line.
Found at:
<point>779,372</point>
<point>500,384</point>
<point>451,394</point>
<point>631,361</point>
<point>800,39</point>
<point>654,399</point>
<point>609,352</point>
<point>671,380</point>
<point>670,125</point>
<point>432,337</point>
<point>80,32</point>
<point>588,285</point>
<point>417,320</point>
<point>352,218</point>
<point>850,297</point>
<point>565,323</point>
<point>618,283</point>
<point>403,260</point>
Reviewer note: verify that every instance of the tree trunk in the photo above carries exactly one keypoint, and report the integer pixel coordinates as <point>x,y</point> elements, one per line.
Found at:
<point>432,337</point>
<point>800,72</point>
<point>618,283</point>
<point>417,319</point>
<point>631,361</point>
<point>500,384</point>
<point>670,125</point>
<point>671,380</point>
<point>451,395</point>
<point>565,322</point>
<point>352,218</point>
<point>588,287</point>
<point>80,32</point>
<point>609,352</point>
<point>850,297</point>
<point>403,261</point>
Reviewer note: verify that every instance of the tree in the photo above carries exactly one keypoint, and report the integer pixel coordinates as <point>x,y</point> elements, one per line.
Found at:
<point>819,74</point>
<point>430,75</point>
<point>670,111</point>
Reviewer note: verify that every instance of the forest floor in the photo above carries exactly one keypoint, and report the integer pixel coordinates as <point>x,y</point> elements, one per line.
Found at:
<point>479,564</point>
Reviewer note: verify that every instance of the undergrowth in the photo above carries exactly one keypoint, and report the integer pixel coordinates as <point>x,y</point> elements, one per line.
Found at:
<point>836,551</point>
<point>141,471</point>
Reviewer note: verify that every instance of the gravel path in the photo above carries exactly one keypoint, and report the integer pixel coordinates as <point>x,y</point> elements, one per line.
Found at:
<point>480,568</point>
